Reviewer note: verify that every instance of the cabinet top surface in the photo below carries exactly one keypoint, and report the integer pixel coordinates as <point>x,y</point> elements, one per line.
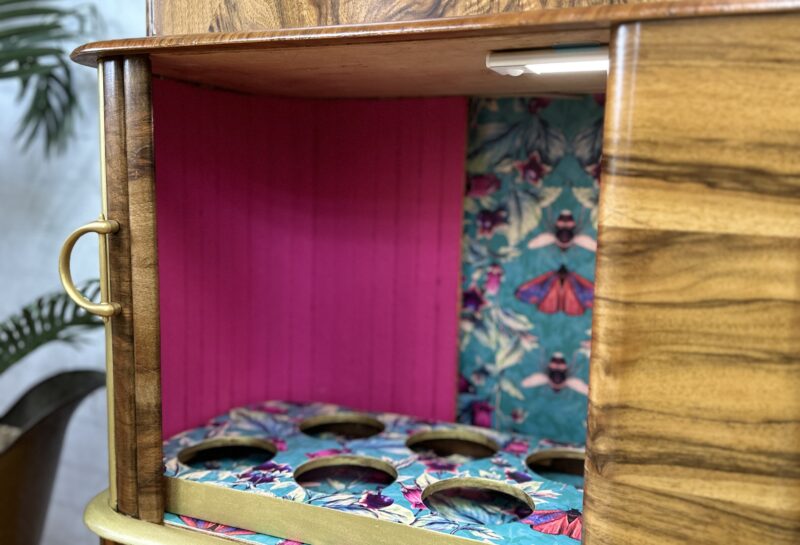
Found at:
<point>561,21</point>
<point>437,57</point>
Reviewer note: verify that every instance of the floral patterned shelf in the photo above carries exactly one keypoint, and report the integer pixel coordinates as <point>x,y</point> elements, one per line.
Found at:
<point>288,451</point>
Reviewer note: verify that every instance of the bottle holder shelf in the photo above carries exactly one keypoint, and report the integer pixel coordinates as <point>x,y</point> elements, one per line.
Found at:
<point>321,474</point>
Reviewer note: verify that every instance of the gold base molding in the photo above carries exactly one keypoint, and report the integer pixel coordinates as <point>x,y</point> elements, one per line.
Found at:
<point>291,520</point>
<point>118,528</point>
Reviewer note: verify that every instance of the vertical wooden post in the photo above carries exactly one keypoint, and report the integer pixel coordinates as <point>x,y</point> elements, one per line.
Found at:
<point>694,424</point>
<point>134,284</point>
<point>122,361</point>
<point>144,278</point>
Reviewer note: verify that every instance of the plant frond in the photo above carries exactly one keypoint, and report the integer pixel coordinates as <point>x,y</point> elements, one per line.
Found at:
<point>52,317</point>
<point>33,34</point>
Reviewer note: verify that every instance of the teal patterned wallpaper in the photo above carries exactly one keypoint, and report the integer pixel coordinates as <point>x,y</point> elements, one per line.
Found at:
<point>529,245</point>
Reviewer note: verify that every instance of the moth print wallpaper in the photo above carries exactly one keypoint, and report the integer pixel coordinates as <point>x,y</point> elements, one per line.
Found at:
<point>530,231</point>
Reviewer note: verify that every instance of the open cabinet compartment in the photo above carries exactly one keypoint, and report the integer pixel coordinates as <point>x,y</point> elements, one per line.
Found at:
<point>308,251</point>
<point>317,248</point>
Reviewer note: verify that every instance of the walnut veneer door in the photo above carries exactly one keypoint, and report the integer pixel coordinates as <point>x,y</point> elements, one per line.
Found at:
<point>694,426</point>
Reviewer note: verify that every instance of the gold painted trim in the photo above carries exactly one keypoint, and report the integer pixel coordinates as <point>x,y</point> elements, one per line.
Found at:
<point>293,520</point>
<point>453,434</point>
<point>345,460</point>
<point>478,483</point>
<point>101,115</point>
<point>118,528</point>
<point>188,453</point>
<point>101,227</point>
<point>341,418</point>
<point>105,295</point>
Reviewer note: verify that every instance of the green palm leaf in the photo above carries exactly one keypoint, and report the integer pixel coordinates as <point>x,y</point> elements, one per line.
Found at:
<point>52,317</point>
<point>32,51</point>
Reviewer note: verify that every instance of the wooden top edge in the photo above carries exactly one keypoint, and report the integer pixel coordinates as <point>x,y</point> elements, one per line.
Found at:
<point>455,27</point>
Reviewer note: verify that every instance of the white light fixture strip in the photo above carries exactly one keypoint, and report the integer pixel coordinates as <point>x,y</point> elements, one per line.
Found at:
<point>549,61</point>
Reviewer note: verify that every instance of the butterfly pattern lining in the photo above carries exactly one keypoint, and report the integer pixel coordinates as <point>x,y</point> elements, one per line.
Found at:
<point>529,244</point>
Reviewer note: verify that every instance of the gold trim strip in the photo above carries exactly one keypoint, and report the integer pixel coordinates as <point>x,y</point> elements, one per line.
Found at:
<point>115,527</point>
<point>293,520</point>
<point>105,295</point>
<point>101,115</point>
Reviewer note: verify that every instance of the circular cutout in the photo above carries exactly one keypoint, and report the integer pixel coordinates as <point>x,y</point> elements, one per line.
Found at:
<point>453,441</point>
<point>477,501</point>
<point>341,426</point>
<point>349,474</point>
<point>228,453</point>
<point>561,465</point>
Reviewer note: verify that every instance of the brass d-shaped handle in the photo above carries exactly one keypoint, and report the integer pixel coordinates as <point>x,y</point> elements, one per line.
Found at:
<point>101,227</point>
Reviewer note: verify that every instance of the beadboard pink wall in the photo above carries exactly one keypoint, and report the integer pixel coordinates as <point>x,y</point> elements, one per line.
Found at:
<point>308,251</point>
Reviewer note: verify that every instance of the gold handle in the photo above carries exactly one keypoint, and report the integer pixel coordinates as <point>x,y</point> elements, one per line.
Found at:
<point>101,227</point>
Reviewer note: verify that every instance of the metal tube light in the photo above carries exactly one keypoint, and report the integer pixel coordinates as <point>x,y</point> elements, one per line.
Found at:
<point>549,61</point>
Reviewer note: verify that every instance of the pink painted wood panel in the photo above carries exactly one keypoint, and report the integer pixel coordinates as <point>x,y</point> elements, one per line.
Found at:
<point>308,251</point>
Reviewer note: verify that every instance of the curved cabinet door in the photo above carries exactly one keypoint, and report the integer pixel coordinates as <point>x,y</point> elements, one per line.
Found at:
<point>694,427</point>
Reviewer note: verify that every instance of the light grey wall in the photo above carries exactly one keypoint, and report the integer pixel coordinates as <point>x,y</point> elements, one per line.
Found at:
<point>41,201</point>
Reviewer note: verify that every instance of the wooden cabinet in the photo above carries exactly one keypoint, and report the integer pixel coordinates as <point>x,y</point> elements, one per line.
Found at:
<point>694,423</point>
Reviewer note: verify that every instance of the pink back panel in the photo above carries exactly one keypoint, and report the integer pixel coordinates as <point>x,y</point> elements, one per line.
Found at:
<point>308,251</point>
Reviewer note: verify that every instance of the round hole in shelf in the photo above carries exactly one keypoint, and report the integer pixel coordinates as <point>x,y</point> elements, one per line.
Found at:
<point>345,474</point>
<point>475,500</point>
<point>453,441</point>
<point>228,453</point>
<point>342,426</point>
<point>561,465</point>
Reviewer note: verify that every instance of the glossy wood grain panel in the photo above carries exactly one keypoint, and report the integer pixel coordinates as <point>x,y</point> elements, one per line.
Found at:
<point>194,16</point>
<point>116,168</point>
<point>144,284</point>
<point>694,418</point>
